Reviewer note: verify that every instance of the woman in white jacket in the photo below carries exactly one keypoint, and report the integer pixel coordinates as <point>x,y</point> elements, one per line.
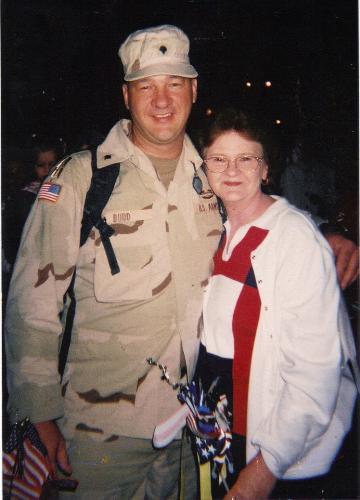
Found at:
<point>273,322</point>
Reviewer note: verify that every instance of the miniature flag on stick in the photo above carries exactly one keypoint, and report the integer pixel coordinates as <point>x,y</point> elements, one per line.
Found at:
<point>25,465</point>
<point>208,419</point>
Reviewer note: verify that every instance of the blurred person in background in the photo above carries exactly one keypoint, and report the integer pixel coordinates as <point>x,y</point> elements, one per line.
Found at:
<point>43,156</point>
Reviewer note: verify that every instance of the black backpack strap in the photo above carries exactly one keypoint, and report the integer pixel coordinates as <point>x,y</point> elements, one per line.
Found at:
<point>66,336</point>
<point>101,187</point>
<point>222,237</point>
<point>222,210</point>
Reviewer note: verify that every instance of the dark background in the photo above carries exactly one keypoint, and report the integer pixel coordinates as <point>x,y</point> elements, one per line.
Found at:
<point>61,72</point>
<point>61,76</point>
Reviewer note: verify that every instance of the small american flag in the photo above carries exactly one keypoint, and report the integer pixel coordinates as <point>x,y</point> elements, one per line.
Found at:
<point>209,423</point>
<point>49,191</point>
<point>35,472</point>
<point>25,465</point>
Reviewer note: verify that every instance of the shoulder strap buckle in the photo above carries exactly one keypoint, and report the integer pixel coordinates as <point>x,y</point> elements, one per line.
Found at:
<point>100,190</point>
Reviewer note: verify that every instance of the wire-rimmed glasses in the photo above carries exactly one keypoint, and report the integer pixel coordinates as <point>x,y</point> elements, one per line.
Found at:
<point>245,162</point>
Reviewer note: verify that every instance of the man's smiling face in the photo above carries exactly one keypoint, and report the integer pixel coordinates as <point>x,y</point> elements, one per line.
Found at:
<point>159,107</point>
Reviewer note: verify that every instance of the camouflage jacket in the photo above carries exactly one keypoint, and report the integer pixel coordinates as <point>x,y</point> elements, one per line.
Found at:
<point>164,241</point>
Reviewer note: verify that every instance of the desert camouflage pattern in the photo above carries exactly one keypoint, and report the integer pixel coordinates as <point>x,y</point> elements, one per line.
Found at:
<point>164,241</point>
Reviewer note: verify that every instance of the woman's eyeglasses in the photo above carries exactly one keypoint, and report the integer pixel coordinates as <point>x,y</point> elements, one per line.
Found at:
<point>245,162</point>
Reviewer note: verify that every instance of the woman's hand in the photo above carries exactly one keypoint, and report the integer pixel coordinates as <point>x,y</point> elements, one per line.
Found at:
<point>254,482</point>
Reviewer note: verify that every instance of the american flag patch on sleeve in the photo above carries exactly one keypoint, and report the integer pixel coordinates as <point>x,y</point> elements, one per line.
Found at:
<point>49,191</point>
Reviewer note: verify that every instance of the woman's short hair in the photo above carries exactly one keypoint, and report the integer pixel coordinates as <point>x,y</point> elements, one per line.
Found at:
<point>231,119</point>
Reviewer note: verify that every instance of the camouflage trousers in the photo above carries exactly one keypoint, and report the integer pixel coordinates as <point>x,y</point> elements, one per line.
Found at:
<point>130,468</point>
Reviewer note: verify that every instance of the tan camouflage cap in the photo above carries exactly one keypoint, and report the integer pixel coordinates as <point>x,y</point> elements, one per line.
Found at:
<point>161,50</point>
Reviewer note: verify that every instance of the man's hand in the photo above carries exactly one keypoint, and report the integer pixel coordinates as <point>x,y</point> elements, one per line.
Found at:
<point>54,442</point>
<point>255,481</point>
<point>347,258</point>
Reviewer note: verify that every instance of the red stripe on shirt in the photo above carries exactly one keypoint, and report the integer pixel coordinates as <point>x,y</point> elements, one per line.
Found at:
<point>245,318</point>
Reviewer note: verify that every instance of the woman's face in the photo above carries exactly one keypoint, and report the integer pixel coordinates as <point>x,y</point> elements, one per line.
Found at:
<point>46,160</point>
<point>236,184</point>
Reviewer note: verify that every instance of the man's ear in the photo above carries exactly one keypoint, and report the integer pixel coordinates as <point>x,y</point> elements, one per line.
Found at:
<point>125,91</point>
<point>194,90</point>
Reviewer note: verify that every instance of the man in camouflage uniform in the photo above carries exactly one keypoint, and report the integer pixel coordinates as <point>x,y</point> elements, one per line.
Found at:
<point>165,234</point>
<point>110,398</point>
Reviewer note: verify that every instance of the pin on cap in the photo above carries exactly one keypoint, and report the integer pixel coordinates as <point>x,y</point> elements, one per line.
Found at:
<point>161,50</point>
